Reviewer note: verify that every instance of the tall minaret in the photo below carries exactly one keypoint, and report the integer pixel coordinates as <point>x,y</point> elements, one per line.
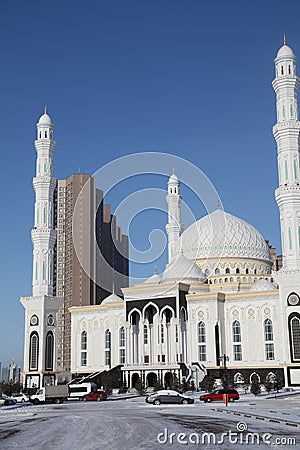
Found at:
<point>174,226</point>
<point>43,234</point>
<point>286,133</point>
<point>42,308</point>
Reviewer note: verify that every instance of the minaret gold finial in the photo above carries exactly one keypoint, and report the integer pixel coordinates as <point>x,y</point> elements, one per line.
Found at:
<point>284,39</point>
<point>173,171</point>
<point>155,270</point>
<point>45,109</point>
<point>219,204</point>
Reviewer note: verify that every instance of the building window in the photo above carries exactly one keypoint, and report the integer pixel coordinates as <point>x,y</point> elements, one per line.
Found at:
<point>270,351</point>
<point>237,347</point>
<point>145,334</point>
<point>236,329</point>
<point>237,352</point>
<point>295,337</point>
<point>268,330</point>
<point>108,348</point>
<point>122,345</point>
<point>201,341</point>
<point>176,334</point>
<point>227,270</point>
<point>162,333</point>
<point>34,351</point>
<point>84,348</point>
<point>49,351</point>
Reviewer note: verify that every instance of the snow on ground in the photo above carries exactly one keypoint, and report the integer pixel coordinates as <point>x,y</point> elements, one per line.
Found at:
<point>132,424</point>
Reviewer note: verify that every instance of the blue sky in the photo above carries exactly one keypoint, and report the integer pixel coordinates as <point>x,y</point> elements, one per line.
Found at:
<point>192,78</point>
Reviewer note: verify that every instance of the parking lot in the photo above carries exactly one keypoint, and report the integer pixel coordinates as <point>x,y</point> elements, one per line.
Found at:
<point>133,424</point>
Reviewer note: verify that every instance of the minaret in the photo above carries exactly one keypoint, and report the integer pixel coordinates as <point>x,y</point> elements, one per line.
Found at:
<point>43,234</point>
<point>42,308</point>
<point>174,226</point>
<point>286,133</point>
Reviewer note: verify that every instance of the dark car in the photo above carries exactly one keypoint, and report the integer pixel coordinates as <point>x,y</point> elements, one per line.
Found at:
<point>218,394</point>
<point>97,396</point>
<point>168,396</point>
<point>6,401</point>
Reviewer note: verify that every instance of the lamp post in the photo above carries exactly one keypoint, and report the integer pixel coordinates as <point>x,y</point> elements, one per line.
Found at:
<point>224,359</point>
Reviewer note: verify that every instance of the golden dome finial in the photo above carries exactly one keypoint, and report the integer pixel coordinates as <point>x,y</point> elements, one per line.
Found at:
<point>284,39</point>
<point>45,109</point>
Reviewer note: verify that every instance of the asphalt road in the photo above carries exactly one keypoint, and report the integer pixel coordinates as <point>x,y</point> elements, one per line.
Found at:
<point>133,424</point>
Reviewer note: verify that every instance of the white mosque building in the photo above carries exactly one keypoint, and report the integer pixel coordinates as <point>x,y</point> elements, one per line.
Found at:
<point>221,301</point>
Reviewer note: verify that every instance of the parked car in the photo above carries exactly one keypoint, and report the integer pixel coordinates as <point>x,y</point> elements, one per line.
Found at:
<point>6,401</point>
<point>21,398</point>
<point>218,394</point>
<point>97,396</point>
<point>168,396</point>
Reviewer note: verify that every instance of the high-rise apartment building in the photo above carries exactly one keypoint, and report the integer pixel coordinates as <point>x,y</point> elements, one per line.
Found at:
<point>91,257</point>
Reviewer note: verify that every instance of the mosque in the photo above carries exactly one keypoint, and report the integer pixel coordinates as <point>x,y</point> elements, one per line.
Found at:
<point>224,300</point>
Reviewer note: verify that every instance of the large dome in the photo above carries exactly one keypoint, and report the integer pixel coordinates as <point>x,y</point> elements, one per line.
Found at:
<point>222,235</point>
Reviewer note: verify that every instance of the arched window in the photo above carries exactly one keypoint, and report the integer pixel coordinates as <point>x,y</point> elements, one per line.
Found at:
<point>268,328</point>
<point>84,348</point>
<point>162,334</point>
<point>201,341</point>
<point>49,351</point>
<point>145,334</point>
<point>237,347</point>
<point>295,336</point>
<point>34,351</point>
<point>122,345</point>
<point>217,271</point>
<point>108,348</point>
<point>227,270</point>
<point>237,270</point>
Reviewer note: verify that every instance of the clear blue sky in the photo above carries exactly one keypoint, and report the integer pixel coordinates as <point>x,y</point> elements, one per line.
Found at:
<point>192,78</point>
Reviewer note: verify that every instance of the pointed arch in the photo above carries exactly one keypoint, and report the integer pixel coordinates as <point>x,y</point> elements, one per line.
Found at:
<point>49,351</point>
<point>34,351</point>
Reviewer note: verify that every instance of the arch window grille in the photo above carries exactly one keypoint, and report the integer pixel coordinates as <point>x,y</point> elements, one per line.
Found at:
<point>122,345</point>
<point>84,348</point>
<point>49,351</point>
<point>176,334</point>
<point>201,341</point>
<point>34,351</point>
<point>237,338</point>
<point>108,348</point>
<point>238,378</point>
<point>295,170</point>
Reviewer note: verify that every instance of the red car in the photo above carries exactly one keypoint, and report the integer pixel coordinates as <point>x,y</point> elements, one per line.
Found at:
<point>97,396</point>
<point>218,394</point>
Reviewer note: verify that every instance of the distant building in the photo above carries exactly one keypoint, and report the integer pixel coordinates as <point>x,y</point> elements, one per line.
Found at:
<point>5,374</point>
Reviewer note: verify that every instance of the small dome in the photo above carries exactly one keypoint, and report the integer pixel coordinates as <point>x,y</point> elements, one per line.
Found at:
<point>183,269</point>
<point>155,278</point>
<point>113,298</point>
<point>285,52</point>
<point>263,285</point>
<point>45,119</point>
<point>173,179</point>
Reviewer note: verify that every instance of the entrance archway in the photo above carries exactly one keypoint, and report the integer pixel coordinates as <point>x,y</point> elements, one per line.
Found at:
<point>135,379</point>
<point>169,380</point>
<point>151,379</point>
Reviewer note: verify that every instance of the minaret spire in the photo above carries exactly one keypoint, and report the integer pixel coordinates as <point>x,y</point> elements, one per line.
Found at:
<point>284,39</point>
<point>286,133</point>
<point>43,234</point>
<point>174,226</point>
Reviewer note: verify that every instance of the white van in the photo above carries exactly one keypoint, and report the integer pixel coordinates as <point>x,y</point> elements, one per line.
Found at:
<point>78,390</point>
